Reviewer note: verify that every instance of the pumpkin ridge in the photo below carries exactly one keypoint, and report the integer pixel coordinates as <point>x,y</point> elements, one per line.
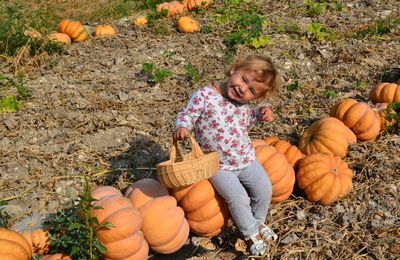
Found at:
<point>315,191</point>
<point>332,194</point>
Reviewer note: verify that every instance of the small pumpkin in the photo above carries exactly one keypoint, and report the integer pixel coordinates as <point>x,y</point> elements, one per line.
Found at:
<point>74,29</point>
<point>381,109</point>
<point>359,117</point>
<point>164,225</point>
<point>13,246</point>
<point>325,178</point>
<point>104,30</point>
<point>59,256</point>
<point>187,24</point>
<point>385,92</point>
<point>124,239</point>
<point>31,228</point>
<point>192,4</point>
<point>172,8</point>
<point>205,210</point>
<point>33,34</point>
<point>291,152</point>
<point>327,135</point>
<point>60,38</point>
<point>140,21</point>
<point>280,172</point>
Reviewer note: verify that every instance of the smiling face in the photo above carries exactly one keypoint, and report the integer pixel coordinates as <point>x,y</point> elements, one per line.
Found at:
<point>243,86</point>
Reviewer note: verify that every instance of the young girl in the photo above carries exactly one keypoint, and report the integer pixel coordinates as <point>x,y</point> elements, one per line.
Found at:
<point>220,115</point>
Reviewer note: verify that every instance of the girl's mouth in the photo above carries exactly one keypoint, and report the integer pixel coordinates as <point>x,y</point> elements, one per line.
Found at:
<point>236,92</point>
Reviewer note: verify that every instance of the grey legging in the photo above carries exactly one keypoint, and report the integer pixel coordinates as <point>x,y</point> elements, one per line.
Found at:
<point>248,193</point>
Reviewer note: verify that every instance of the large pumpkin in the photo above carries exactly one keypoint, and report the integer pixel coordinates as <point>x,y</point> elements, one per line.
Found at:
<point>327,135</point>
<point>385,93</point>
<point>291,152</point>
<point>104,30</point>
<point>359,117</point>
<point>13,246</point>
<point>164,225</point>
<point>74,29</point>
<point>280,172</point>
<point>124,240</point>
<point>172,8</point>
<point>205,210</point>
<point>325,178</point>
<point>187,24</point>
<point>191,4</point>
<point>31,228</point>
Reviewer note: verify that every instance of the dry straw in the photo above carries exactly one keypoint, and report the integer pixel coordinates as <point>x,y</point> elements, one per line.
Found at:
<point>183,170</point>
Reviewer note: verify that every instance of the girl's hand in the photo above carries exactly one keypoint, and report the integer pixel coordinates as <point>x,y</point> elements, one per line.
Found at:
<point>180,134</point>
<point>266,114</point>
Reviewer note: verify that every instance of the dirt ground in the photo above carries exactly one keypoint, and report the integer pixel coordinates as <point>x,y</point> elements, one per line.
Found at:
<point>93,113</point>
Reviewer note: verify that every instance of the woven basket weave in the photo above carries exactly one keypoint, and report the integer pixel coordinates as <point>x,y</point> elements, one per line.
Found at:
<point>189,168</point>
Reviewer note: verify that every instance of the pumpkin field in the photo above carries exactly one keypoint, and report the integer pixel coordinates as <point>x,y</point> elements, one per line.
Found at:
<point>89,94</point>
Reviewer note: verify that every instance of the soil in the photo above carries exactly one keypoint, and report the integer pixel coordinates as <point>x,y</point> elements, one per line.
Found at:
<point>94,113</point>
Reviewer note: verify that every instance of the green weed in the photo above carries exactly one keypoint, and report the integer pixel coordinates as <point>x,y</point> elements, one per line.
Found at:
<point>313,8</point>
<point>318,32</point>
<point>72,229</point>
<point>330,94</point>
<point>192,73</point>
<point>360,85</point>
<point>5,217</point>
<point>378,28</point>
<point>390,116</point>
<point>10,103</point>
<point>153,74</point>
<point>293,86</point>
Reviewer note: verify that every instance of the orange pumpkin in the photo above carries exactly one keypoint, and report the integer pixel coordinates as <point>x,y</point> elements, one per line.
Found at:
<point>291,152</point>
<point>140,21</point>
<point>124,239</point>
<point>381,109</point>
<point>192,4</point>
<point>104,30</point>
<point>385,93</point>
<point>359,117</point>
<point>59,256</point>
<point>60,38</point>
<point>325,178</point>
<point>172,8</point>
<point>327,135</point>
<point>205,210</point>
<point>187,24</point>
<point>31,228</point>
<point>164,225</point>
<point>13,246</point>
<point>280,172</point>
<point>74,29</point>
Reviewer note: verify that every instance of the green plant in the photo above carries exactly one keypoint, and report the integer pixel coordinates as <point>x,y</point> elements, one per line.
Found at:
<point>378,28</point>
<point>10,103</point>
<point>318,32</point>
<point>293,86</point>
<point>313,8</point>
<point>395,128</point>
<point>192,73</point>
<point>361,85</point>
<point>16,22</point>
<point>72,229</point>
<point>330,94</point>
<point>153,74</point>
<point>5,217</point>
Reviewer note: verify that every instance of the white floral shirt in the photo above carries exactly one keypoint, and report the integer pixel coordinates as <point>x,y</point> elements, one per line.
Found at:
<point>220,125</point>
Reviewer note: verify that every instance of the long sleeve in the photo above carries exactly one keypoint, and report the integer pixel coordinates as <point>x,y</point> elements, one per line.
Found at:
<point>188,116</point>
<point>253,116</point>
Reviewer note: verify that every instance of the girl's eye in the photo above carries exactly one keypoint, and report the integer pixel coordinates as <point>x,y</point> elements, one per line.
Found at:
<point>252,91</point>
<point>244,79</point>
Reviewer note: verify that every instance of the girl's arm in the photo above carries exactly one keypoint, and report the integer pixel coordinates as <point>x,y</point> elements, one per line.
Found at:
<point>188,116</point>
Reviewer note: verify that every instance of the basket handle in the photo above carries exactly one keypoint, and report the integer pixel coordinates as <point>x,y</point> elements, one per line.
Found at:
<point>195,153</point>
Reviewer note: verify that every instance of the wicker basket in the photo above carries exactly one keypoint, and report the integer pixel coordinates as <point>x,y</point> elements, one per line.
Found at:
<point>189,168</point>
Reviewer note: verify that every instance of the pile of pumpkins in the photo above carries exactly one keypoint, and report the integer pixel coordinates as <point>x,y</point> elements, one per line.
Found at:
<point>186,24</point>
<point>149,216</point>
<point>317,163</point>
